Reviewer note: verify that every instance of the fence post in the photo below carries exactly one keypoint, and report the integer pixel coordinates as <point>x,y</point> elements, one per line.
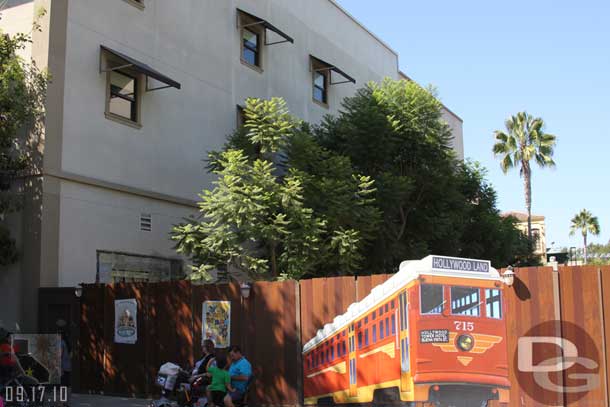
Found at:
<point>299,354</point>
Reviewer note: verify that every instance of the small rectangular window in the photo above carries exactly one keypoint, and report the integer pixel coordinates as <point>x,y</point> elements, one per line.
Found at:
<point>381,310</point>
<point>366,320</point>
<point>387,326</point>
<point>374,315</point>
<point>493,303</point>
<point>393,326</point>
<point>432,299</point>
<point>250,47</point>
<point>387,307</point>
<point>359,340</point>
<point>381,329</point>
<point>123,95</point>
<point>393,305</point>
<point>320,87</point>
<point>366,337</point>
<point>465,301</point>
<point>374,333</point>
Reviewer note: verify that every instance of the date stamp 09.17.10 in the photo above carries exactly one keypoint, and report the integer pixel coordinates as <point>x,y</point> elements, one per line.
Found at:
<point>34,396</point>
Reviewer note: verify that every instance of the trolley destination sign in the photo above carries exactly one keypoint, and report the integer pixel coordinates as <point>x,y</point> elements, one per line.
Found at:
<point>457,264</point>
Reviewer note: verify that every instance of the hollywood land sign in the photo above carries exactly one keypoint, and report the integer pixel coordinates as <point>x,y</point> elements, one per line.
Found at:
<point>454,264</point>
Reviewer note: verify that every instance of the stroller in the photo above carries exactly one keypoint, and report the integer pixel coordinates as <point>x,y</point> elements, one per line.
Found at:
<point>176,391</point>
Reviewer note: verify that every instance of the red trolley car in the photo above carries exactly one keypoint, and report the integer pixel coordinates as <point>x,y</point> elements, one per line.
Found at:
<point>433,333</point>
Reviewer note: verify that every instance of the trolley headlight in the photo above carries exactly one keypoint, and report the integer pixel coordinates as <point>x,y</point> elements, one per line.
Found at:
<point>465,342</point>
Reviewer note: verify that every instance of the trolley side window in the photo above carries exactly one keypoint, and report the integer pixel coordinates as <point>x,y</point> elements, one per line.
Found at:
<point>432,299</point>
<point>493,303</point>
<point>465,301</point>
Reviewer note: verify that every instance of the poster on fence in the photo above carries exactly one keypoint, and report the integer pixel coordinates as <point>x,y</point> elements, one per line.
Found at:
<point>126,321</point>
<point>216,322</point>
<point>39,356</point>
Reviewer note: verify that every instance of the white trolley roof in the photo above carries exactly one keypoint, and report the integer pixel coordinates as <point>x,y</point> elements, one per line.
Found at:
<point>407,272</point>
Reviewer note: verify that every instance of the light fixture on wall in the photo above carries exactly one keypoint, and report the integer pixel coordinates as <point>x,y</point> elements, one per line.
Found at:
<point>78,290</point>
<point>245,289</point>
<point>508,277</point>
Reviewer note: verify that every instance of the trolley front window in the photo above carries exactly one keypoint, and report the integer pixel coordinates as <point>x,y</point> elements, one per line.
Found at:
<point>465,301</point>
<point>493,303</point>
<point>432,299</point>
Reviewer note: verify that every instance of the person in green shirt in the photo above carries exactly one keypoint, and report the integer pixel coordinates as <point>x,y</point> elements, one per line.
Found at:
<point>221,382</point>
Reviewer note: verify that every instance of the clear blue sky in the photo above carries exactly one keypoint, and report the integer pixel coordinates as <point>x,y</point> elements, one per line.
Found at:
<point>491,59</point>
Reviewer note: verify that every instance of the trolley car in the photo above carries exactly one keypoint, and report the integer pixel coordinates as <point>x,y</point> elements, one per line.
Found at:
<point>433,333</point>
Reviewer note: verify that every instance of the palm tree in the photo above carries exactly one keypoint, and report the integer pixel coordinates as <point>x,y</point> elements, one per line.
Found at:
<point>523,141</point>
<point>586,223</point>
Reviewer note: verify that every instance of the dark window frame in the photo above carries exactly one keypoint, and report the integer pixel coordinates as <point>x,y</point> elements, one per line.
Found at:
<point>257,51</point>
<point>135,100</point>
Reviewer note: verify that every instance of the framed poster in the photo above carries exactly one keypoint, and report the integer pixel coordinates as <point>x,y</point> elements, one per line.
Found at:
<point>216,322</point>
<point>126,321</point>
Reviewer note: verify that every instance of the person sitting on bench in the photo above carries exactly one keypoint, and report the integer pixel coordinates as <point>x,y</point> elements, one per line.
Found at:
<point>240,372</point>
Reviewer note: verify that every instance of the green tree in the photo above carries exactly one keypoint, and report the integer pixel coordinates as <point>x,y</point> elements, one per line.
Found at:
<point>256,218</point>
<point>586,223</point>
<point>430,202</point>
<point>22,92</point>
<point>523,141</point>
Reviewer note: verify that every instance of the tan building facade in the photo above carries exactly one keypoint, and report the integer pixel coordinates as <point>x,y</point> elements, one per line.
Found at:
<point>538,230</point>
<point>141,90</point>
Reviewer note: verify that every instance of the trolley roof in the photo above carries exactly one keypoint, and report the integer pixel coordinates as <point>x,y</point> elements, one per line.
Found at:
<point>408,271</point>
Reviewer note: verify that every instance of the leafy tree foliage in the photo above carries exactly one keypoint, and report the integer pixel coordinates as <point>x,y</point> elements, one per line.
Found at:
<point>430,202</point>
<point>257,219</point>
<point>364,190</point>
<point>22,93</point>
<point>586,223</point>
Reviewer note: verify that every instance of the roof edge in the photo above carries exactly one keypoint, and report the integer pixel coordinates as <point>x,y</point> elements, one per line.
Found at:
<point>347,13</point>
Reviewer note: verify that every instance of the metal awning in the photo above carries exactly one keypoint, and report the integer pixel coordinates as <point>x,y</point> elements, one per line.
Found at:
<point>115,60</point>
<point>325,66</point>
<point>264,23</point>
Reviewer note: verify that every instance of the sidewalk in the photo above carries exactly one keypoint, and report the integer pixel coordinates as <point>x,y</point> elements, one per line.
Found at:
<point>90,400</point>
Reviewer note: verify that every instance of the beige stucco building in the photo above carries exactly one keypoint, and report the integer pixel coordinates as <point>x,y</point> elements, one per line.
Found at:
<point>140,91</point>
<point>538,230</point>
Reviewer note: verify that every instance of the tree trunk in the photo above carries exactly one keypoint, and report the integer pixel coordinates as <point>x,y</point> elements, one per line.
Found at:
<point>527,181</point>
<point>584,235</point>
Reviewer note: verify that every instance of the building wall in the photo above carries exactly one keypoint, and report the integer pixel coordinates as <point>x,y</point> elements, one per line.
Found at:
<point>100,175</point>
<point>160,165</point>
<point>456,125</point>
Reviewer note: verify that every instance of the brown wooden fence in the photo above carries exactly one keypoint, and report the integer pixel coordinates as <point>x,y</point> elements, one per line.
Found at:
<point>273,323</point>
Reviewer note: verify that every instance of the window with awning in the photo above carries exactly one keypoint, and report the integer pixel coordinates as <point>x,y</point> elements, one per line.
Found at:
<point>111,60</point>
<point>256,32</point>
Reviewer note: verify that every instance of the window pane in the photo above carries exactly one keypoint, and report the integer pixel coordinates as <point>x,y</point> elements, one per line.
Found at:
<point>121,107</point>
<point>432,300</point>
<point>319,80</point>
<point>465,301</point>
<point>493,303</point>
<point>318,94</point>
<point>122,96</point>
<point>250,39</point>
<point>250,56</point>
<point>122,84</point>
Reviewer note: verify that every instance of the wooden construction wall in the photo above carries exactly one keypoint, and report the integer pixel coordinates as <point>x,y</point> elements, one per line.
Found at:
<point>278,317</point>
